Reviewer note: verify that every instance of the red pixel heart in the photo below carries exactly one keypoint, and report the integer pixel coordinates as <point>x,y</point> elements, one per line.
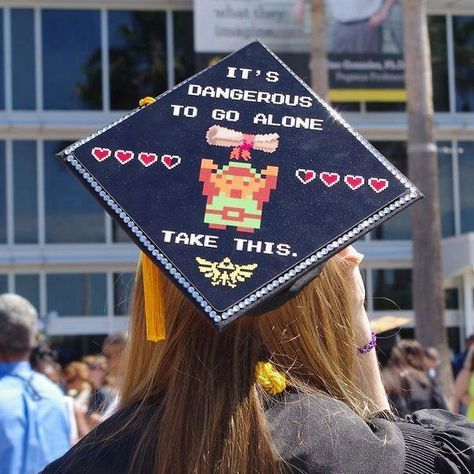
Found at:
<point>329,179</point>
<point>171,161</point>
<point>147,159</point>
<point>305,176</point>
<point>354,182</point>
<point>124,156</point>
<point>378,184</point>
<point>100,154</point>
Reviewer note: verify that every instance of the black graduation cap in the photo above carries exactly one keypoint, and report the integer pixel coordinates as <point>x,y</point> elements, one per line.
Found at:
<point>239,183</point>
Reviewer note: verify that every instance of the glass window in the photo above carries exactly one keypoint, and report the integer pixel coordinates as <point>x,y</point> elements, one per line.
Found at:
<point>119,235</point>
<point>3,195</point>
<point>399,226</point>
<point>184,58</point>
<point>23,59</point>
<point>72,69</point>
<point>466,189</point>
<point>445,183</point>
<point>123,284</point>
<point>346,106</point>
<point>76,294</point>
<point>25,203</point>
<point>137,55</point>
<point>2,83</point>
<point>28,287</point>
<point>463,32</point>
<point>72,215</point>
<point>392,289</point>
<point>3,283</point>
<point>385,106</point>
<point>451,298</point>
<point>439,62</point>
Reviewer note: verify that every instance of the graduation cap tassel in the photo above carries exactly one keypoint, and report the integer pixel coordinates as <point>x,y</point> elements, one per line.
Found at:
<point>154,300</point>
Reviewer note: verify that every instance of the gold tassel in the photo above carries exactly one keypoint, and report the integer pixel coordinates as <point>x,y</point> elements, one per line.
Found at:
<point>146,101</point>
<point>154,300</point>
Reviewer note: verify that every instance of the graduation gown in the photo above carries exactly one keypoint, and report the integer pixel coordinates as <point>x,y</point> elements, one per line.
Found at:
<point>313,434</point>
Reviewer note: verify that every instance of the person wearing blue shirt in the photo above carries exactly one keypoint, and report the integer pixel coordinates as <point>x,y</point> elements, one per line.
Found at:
<point>34,420</point>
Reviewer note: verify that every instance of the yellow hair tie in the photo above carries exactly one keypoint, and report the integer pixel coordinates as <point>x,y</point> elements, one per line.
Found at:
<point>146,101</point>
<point>270,379</point>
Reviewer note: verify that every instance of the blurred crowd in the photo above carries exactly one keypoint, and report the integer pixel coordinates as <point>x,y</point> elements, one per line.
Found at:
<point>45,408</point>
<point>411,377</point>
<point>91,383</point>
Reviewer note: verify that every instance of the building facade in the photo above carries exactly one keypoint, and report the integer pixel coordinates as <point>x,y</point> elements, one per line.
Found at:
<point>66,70</point>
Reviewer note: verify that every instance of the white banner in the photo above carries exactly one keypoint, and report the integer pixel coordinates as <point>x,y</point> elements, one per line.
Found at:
<point>227,25</point>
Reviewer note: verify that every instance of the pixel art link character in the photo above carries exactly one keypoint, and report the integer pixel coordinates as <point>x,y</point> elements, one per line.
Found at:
<point>236,194</point>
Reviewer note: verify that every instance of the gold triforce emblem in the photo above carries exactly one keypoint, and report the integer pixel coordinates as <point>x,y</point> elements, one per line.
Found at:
<point>225,272</point>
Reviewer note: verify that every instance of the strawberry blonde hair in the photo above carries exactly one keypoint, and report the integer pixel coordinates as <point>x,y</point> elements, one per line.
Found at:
<point>210,415</point>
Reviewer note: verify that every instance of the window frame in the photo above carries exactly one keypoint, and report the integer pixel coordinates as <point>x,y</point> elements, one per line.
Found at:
<point>106,5</point>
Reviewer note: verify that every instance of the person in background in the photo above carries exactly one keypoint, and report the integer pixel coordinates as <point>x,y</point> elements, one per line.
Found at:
<point>113,349</point>
<point>34,423</point>
<point>357,25</point>
<point>395,380</point>
<point>432,361</point>
<point>44,360</point>
<point>464,387</point>
<point>78,386</point>
<point>458,359</point>
<point>102,394</point>
<point>406,380</point>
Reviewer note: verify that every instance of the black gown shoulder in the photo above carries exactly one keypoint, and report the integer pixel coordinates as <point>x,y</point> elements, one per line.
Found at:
<point>314,435</point>
<point>108,448</point>
<point>317,434</point>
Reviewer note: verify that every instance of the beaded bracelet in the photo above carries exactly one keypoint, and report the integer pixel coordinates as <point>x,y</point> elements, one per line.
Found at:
<point>370,345</point>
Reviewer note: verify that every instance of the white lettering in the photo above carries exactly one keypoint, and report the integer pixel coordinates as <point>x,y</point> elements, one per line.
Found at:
<point>197,240</point>
<point>254,246</point>
<point>168,235</point>
<point>230,115</point>
<point>182,238</point>
<point>211,241</point>
<point>289,121</point>
<point>283,249</point>
<point>194,89</point>
<point>231,72</point>
<point>239,244</point>
<point>272,76</point>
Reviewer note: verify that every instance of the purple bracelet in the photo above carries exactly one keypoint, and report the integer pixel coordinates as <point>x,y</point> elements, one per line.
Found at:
<point>370,345</point>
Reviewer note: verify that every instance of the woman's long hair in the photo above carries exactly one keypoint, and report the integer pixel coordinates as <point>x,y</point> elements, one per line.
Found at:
<point>405,368</point>
<point>210,415</point>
